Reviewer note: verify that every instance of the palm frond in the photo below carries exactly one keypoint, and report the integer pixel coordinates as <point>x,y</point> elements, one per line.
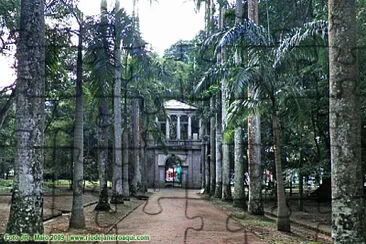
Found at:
<point>211,41</point>
<point>248,32</point>
<point>210,77</point>
<point>240,110</point>
<point>303,38</point>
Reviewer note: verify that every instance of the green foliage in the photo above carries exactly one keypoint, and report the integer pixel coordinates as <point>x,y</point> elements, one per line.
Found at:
<point>9,22</point>
<point>209,79</point>
<point>290,79</point>
<point>309,40</point>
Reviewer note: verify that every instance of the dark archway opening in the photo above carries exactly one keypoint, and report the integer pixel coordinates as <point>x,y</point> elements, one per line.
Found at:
<point>173,171</point>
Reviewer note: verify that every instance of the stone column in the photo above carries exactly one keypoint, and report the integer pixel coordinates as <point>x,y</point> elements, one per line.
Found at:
<point>189,127</point>
<point>167,129</point>
<point>178,127</point>
<point>200,129</point>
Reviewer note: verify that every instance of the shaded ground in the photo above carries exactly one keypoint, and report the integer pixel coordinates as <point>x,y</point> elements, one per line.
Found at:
<point>179,216</point>
<point>316,215</point>
<point>57,209</point>
<point>303,224</point>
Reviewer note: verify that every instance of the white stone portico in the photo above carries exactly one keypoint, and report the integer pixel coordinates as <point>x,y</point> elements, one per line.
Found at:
<point>182,149</point>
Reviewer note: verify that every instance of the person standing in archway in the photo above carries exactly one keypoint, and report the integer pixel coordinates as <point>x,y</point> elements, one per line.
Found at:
<point>178,173</point>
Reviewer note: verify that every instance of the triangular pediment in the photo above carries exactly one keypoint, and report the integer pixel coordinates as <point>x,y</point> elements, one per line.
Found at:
<point>177,105</point>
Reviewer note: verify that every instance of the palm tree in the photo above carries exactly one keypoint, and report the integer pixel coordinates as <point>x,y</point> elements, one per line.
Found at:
<point>212,147</point>
<point>226,187</point>
<point>101,75</point>
<point>204,153</point>
<point>209,29</point>
<point>262,79</point>
<point>292,48</point>
<point>348,207</point>
<point>209,169</point>
<point>125,145</point>
<point>255,204</point>
<point>136,186</point>
<point>77,219</point>
<point>136,181</point>
<point>283,218</point>
<point>27,198</point>
<point>239,193</point>
<point>117,190</point>
<point>218,188</point>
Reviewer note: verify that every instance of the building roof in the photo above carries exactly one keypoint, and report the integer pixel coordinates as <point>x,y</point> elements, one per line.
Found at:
<point>177,105</point>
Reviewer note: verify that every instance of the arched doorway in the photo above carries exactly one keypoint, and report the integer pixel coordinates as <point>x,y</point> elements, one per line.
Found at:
<point>173,170</point>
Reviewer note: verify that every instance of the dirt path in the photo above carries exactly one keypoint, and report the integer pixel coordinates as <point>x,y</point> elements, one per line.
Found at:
<point>180,216</point>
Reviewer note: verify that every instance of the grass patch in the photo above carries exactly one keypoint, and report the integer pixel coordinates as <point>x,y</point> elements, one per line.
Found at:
<point>243,217</point>
<point>6,183</point>
<point>6,186</point>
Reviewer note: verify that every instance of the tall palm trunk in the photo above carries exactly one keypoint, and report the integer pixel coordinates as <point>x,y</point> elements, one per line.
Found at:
<point>77,219</point>
<point>26,209</point>
<point>226,187</point>
<point>212,147</point>
<point>301,177</point>
<point>117,190</point>
<point>255,204</point>
<point>136,183</point>
<point>125,164</point>
<point>125,145</point>
<point>239,197</point>
<point>283,218</point>
<point>203,172</point>
<point>218,188</point>
<point>142,150</point>
<point>205,155</point>
<point>204,161</point>
<point>348,206</point>
<point>103,204</point>
<point>150,159</point>
<point>239,193</point>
